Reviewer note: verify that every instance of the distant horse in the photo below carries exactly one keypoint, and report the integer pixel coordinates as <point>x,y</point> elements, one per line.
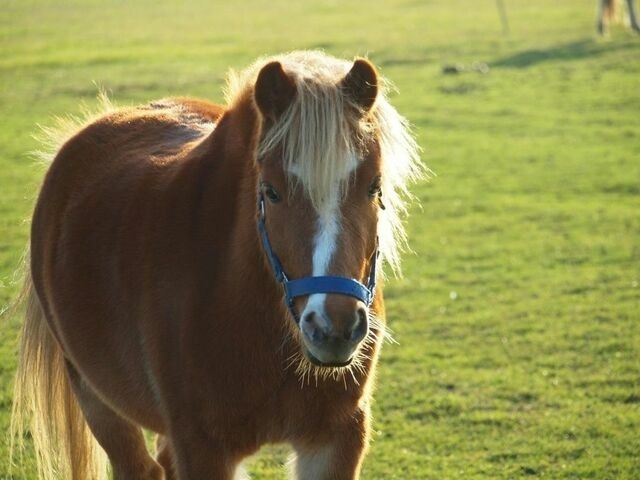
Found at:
<point>209,273</point>
<point>607,10</point>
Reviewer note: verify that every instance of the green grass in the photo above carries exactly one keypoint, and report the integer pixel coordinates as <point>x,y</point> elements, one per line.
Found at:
<point>518,317</point>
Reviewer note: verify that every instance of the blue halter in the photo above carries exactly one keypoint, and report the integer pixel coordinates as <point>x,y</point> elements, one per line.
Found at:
<point>310,285</point>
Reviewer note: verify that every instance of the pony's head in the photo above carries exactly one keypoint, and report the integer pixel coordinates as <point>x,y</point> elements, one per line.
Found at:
<point>333,159</point>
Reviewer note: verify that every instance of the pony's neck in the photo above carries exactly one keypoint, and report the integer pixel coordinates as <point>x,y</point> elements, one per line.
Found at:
<point>234,141</point>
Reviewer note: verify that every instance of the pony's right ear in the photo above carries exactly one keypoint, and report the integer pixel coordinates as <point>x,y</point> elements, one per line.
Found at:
<point>274,90</point>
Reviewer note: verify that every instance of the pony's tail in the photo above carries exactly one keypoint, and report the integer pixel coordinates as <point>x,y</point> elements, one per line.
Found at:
<point>45,407</point>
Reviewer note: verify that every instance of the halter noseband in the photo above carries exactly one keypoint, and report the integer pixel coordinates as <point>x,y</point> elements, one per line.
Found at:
<point>320,284</point>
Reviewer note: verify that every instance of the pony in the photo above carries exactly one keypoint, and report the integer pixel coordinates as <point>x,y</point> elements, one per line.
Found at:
<point>213,274</point>
<point>607,12</point>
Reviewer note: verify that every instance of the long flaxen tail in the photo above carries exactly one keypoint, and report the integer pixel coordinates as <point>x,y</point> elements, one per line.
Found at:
<point>45,407</point>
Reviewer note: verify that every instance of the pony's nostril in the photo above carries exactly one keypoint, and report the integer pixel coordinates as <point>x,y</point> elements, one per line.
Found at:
<point>311,328</point>
<point>362,314</point>
<point>360,326</point>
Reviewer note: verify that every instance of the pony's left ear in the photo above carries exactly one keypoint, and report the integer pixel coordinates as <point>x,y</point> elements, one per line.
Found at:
<point>274,90</point>
<point>361,84</point>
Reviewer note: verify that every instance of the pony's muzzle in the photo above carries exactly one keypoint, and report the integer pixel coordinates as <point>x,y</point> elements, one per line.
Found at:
<point>332,340</point>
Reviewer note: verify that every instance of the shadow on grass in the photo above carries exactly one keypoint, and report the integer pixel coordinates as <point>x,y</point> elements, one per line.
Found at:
<point>560,53</point>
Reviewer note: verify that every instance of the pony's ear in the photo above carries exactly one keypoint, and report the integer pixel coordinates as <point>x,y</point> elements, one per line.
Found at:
<point>274,90</point>
<point>361,84</point>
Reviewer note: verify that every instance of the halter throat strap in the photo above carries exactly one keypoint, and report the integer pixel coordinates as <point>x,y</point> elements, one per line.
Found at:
<point>314,284</point>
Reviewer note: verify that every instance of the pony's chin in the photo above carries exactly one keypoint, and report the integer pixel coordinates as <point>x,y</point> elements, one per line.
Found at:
<point>319,363</point>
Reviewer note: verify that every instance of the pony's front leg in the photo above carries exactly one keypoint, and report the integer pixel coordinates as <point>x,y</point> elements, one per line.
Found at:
<point>340,458</point>
<point>198,457</point>
<point>600,23</point>
<point>633,16</point>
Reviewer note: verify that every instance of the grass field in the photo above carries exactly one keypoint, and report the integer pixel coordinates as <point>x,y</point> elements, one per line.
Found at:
<point>518,316</point>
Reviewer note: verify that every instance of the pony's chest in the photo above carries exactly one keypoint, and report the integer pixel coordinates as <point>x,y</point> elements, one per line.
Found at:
<point>301,410</point>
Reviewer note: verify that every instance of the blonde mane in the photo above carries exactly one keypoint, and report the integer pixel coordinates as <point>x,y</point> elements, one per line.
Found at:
<point>323,127</point>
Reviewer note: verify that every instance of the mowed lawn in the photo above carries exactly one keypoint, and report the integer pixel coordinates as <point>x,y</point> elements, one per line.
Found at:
<point>517,319</point>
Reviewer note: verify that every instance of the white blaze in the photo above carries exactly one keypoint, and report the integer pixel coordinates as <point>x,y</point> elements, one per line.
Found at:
<point>324,246</point>
<point>325,239</point>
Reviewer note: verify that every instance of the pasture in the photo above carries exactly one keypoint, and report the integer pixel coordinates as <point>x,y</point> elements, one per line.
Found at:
<point>517,319</point>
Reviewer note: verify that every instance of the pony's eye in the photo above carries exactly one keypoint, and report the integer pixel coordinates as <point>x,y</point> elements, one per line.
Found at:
<point>375,191</point>
<point>270,192</point>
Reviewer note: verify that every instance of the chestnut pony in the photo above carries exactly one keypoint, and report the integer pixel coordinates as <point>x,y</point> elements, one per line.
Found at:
<point>208,273</point>
<point>608,11</point>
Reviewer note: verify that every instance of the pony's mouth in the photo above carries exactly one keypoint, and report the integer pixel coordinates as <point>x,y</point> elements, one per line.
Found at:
<point>319,363</point>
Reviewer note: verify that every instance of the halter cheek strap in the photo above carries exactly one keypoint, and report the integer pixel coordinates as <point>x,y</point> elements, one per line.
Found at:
<point>319,284</point>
